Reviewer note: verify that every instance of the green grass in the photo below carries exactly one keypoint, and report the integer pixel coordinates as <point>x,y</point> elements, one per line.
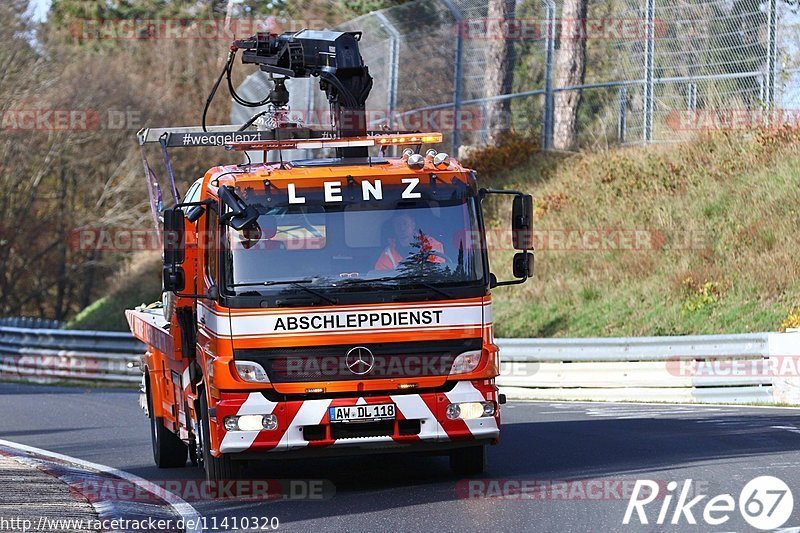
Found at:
<point>733,198</point>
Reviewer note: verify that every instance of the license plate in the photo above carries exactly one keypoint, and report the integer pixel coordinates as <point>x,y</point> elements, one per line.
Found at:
<point>362,413</point>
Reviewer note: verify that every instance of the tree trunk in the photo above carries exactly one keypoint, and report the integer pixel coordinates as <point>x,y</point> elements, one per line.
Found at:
<point>499,70</point>
<point>570,70</point>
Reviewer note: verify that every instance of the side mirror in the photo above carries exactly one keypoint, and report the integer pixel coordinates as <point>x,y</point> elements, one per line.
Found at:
<point>522,222</point>
<point>194,213</point>
<point>522,235</point>
<point>174,251</point>
<point>246,219</point>
<point>523,265</point>
<point>239,215</point>
<point>236,206</point>
<point>174,237</point>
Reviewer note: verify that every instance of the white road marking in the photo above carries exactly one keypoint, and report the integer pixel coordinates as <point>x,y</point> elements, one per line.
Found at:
<point>188,513</point>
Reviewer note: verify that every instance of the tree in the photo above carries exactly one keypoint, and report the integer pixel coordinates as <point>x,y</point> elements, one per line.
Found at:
<point>499,70</point>
<point>570,70</point>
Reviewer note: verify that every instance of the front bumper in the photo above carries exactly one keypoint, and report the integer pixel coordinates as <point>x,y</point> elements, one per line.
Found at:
<point>304,425</point>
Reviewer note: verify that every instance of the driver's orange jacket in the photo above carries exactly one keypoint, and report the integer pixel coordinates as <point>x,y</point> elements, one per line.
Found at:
<point>390,258</point>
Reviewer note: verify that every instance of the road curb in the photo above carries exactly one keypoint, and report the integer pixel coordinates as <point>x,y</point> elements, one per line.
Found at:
<point>55,462</point>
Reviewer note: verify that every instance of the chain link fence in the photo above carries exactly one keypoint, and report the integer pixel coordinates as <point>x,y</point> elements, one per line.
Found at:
<point>655,70</point>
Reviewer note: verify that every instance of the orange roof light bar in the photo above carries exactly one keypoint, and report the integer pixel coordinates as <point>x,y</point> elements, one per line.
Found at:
<point>339,142</point>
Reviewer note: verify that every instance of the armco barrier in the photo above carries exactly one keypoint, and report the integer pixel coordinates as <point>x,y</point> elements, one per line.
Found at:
<point>30,322</point>
<point>56,355</point>
<point>746,368</point>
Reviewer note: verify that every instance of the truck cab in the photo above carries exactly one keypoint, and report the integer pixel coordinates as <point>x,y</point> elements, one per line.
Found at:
<point>331,310</point>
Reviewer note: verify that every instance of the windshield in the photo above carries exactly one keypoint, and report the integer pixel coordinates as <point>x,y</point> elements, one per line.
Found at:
<point>394,243</point>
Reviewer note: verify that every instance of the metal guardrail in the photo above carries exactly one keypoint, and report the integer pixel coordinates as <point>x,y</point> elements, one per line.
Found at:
<point>746,368</point>
<point>742,368</point>
<point>30,322</point>
<point>634,348</point>
<point>56,355</point>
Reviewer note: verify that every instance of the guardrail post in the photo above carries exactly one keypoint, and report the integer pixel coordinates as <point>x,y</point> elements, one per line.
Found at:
<point>549,99</point>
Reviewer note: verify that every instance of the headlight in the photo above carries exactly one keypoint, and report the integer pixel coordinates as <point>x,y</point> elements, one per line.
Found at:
<point>251,372</point>
<point>470,410</point>
<point>231,423</point>
<point>466,362</point>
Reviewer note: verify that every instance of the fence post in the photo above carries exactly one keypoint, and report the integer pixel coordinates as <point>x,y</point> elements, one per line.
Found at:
<point>648,71</point>
<point>549,99</point>
<point>394,61</point>
<point>457,75</point>
<point>622,101</point>
<point>769,78</point>
<point>691,97</point>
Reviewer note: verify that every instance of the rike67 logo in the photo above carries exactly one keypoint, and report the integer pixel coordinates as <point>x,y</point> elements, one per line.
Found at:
<point>765,503</point>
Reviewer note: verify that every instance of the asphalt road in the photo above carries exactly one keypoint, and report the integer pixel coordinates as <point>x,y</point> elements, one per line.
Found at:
<point>560,467</point>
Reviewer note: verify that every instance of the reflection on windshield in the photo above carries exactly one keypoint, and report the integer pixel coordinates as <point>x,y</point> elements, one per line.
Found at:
<point>348,246</point>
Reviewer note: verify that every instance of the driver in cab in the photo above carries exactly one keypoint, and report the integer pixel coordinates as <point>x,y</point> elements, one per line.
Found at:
<point>408,240</point>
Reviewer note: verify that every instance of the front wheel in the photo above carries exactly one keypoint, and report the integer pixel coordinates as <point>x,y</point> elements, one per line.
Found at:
<point>169,451</point>
<point>468,461</point>
<point>217,468</point>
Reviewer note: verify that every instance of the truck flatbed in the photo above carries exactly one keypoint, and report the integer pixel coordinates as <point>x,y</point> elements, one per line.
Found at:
<point>150,327</point>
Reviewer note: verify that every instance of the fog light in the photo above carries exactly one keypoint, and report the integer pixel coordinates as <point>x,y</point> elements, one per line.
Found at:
<point>453,411</point>
<point>251,372</point>
<point>231,423</point>
<point>466,362</point>
<point>251,423</point>
<point>269,422</point>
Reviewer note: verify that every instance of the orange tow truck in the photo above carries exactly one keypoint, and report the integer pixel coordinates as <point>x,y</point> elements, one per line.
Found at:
<point>322,306</point>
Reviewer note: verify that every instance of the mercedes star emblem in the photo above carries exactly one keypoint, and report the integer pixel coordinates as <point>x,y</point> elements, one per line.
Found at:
<point>359,360</point>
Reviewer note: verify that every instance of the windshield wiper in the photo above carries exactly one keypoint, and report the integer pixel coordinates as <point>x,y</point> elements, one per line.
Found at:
<point>274,282</point>
<point>415,279</point>
<point>297,284</point>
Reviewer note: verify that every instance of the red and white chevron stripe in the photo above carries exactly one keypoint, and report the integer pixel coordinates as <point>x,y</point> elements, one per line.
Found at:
<point>293,416</point>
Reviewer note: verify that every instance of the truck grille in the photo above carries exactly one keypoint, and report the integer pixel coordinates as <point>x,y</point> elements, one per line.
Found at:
<point>368,361</point>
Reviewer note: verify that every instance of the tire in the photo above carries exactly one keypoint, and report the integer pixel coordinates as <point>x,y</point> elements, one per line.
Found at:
<point>468,461</point>
<point>217,468</point>
<point>169,451</point>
